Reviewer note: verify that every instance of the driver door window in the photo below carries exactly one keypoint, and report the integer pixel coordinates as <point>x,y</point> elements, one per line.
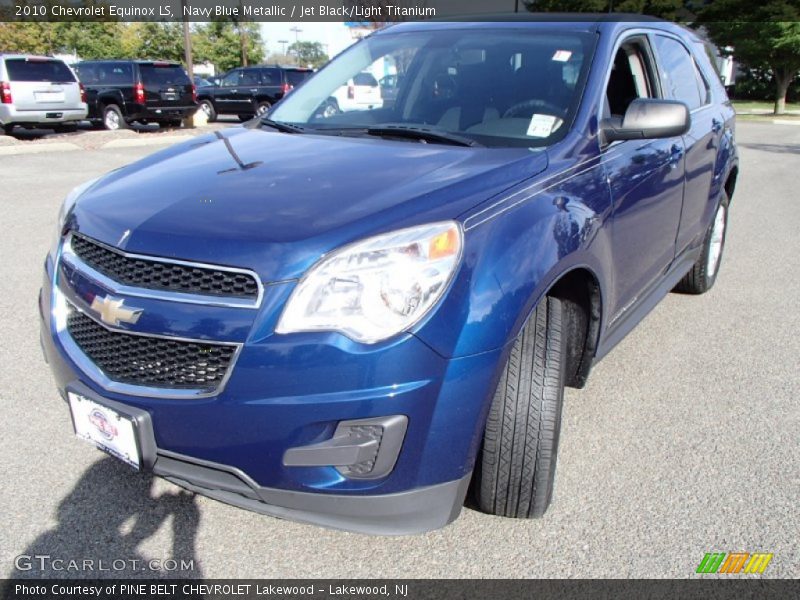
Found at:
<point>231,79</point>
<point>631,78</point>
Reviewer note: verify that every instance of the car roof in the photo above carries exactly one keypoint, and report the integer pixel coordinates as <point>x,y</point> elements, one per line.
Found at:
<point>131,60</point>
<point>585,22</point>
<point>34,56</point>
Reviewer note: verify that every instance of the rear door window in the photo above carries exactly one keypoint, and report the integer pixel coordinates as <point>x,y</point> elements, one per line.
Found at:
<point>164,75</point>
<point>679,73</point>
<point>270,77</point>
<point>24,69</point>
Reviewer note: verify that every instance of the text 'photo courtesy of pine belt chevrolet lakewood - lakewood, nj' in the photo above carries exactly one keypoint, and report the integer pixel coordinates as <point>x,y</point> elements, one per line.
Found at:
<point>358,308</point>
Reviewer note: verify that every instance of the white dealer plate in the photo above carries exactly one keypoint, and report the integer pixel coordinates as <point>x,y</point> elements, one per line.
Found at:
<point>105,428</point>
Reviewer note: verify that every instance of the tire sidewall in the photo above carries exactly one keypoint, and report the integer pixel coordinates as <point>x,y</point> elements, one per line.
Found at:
<point>710,279</point>
<point>113,109</point>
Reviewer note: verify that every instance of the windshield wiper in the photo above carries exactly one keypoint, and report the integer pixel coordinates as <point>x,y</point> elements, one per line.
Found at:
<point>422,134</point>
<point>281,126</point>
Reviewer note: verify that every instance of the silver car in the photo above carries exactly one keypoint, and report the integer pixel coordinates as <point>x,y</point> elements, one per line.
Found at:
<point>39,91</point>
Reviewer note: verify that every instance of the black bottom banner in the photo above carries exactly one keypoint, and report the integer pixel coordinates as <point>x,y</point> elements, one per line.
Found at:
<point>365,589</point>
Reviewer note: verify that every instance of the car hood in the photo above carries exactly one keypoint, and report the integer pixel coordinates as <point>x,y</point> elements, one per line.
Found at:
<point>276,202</point>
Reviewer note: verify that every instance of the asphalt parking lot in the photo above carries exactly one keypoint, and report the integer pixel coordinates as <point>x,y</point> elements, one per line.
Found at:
<point>686,440</point>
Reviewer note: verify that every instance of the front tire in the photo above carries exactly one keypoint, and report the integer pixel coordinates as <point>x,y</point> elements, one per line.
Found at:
<point>517,464</point>
<point>208,108</point>
<point>704,272</point>
<point>262,107</point>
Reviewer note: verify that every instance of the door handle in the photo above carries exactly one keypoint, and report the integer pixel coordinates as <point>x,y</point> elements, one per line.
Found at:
<point>254,90</point>
<point>675,155</point>
<point>716,125</point>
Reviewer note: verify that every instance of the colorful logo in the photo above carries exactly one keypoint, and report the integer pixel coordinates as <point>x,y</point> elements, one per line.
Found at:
<point>734,562</point>
<point>102,424</point>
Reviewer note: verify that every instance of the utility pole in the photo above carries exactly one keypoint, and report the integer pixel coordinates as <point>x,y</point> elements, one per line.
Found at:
<point>297,32</point>
<point>284,42</point>
<point>242,36</point>
<point>187,56</point>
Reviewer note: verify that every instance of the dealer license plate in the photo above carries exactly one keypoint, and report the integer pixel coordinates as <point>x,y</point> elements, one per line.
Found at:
<point>49,96</point>
<point>105,428</point>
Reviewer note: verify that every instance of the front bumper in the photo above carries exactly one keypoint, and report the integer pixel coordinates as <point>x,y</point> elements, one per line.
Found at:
<point>293,391</point>
<point>9,115</point>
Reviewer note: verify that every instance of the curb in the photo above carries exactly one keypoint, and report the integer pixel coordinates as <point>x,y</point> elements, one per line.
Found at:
<point>38,149</point>
<point>154,141</point>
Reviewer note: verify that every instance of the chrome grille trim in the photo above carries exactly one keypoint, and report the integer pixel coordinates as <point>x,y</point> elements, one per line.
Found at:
<point>68,255</point>
<point>86,364</point>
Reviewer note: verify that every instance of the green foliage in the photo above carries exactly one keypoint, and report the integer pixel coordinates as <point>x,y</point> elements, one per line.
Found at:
<point>766,35</point>
<point>154,41</point>
<point>309,54</point>
<point>666,9</point>
<point>220,43</point>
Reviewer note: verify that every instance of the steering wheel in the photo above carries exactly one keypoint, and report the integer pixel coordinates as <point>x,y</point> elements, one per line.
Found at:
<point>523,109</point>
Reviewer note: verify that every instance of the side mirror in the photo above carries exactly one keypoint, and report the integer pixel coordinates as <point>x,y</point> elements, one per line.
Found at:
<point>214,81</point>
<point>648,118</point>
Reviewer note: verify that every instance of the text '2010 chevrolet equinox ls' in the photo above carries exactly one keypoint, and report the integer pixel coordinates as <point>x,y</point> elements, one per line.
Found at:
<point>347,317</point>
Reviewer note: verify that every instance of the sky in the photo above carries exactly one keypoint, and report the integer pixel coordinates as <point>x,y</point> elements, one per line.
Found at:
<point>335,35</point>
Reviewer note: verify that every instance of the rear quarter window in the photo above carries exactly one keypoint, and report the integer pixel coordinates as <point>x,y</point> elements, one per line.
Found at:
<point>163,75</point>
<point>295,78</point>
<point>23,69</point>
<point>105,73</point>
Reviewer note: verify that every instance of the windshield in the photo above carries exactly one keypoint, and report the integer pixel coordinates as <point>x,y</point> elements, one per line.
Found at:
<point>498,87</point>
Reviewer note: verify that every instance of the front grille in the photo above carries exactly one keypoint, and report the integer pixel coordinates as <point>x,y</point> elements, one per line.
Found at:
<point>150,361</point>
<point>153,274</point>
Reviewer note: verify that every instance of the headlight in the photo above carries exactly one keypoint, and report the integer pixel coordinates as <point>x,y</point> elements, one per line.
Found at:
<point>66,208</point>
<point>378,287</point>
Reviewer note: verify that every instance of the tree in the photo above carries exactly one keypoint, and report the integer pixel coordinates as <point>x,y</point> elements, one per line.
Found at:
<point>220,43</point>
<point>154,40</point>
<point>665,9</point>
<point>90,39</point>
<point>765,35</point>
<point>309,54</point>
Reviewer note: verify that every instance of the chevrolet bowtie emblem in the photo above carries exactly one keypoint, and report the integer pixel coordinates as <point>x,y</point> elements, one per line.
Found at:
<point>113,311</point>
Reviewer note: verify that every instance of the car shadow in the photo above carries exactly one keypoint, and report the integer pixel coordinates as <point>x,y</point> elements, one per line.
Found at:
<point>779,148</point>
<point>102,522</point>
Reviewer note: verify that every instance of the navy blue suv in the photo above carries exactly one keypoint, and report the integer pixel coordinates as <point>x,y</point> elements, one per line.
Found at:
<point>354,315</point>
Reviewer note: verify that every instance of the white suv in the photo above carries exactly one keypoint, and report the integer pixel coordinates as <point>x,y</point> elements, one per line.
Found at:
<point>39,91</point>
<point>362,92</point>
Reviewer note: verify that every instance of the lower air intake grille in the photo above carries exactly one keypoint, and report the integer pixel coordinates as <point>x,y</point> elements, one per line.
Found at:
<point>150,361</point>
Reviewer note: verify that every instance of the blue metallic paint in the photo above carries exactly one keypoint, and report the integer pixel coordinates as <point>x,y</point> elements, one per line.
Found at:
<point>529,218</point>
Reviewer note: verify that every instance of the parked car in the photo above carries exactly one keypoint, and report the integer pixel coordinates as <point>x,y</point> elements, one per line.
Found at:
<point>362,92</point>
<point>120,92</point>
<point>39,92</point>
<point>201,82</point>
<point>347,318</point>
<point>390,84</point>
<point>249,91</point>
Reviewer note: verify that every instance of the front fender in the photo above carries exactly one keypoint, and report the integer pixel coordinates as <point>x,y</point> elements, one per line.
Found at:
<point>516,248</point>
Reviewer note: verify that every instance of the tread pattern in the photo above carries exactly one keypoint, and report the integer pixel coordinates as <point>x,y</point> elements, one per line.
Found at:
<point>520,445</point>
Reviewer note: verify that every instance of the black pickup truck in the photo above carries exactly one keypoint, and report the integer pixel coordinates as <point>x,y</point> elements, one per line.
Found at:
<point>120,92</point>
<point>249,91</point>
